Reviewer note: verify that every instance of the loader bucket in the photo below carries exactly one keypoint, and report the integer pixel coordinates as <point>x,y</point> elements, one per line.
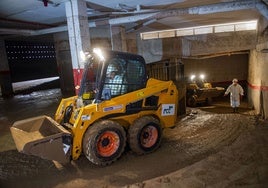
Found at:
<point>42,136</point>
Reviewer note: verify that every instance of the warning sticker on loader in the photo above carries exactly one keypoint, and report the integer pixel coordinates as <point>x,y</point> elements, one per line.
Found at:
<point>66,148</point>
<point>168,109</point>
<point>85,117</point>
<point>117,107</point>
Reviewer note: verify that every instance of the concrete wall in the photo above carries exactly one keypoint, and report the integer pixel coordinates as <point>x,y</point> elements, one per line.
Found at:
<point>252,67</point>
<point>258,72</point>
<point>99,38</point>
<point>258,82</point>
<point>159,49</point>
<point>151,50</point>
<point>218,56</point>
<point>219,69</point>
<point>132,46</point>
<point>222,42</point>
<point>64,63</point>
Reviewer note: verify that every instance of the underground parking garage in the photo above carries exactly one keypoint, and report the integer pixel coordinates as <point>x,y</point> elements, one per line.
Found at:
<point>43,45</point>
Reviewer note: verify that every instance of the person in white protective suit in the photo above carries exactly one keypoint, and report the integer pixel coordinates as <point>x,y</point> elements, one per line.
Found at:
<point>236,92</point>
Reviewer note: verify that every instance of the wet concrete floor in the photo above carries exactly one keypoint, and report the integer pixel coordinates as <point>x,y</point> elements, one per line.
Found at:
<point>207,134</point>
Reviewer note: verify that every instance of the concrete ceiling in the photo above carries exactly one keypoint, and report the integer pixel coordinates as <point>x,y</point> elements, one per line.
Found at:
<point>29,17</point>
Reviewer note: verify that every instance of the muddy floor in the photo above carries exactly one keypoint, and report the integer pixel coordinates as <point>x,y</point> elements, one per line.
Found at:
<point>210,147</point>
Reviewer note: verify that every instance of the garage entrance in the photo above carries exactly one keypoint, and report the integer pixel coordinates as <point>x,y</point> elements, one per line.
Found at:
<point>31,60</point>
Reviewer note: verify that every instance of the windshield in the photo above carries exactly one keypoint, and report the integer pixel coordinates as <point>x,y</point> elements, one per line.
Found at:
<point>104,79</point>
<point>90,80</point>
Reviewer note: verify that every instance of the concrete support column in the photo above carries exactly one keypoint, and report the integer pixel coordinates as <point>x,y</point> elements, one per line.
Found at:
<point>176,73</point>
<point>78,30</point>
<point>258,82</point>
<point>257,75</point>
<point>118,38</point>
<point>64,63</point>
<point>5,77</point>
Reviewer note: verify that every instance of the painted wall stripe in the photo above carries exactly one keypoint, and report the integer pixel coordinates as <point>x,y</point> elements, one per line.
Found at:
<point>4,72</point>
<point>256,87</point>
<point>77,74</point>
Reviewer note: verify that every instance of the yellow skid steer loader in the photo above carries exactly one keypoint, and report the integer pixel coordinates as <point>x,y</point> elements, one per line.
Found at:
<point>116,104</point>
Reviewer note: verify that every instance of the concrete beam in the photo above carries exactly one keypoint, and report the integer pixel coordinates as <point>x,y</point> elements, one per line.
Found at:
<point>201,10</point>
<point>265,1</point>
<point>79,39</point>
<point>263,9</point>
<point>51,30</point>
<point>198,10</point>
<point>113,21</point>
<point>144,23</point>
<point>21,32</point>
<point>205,9</point>
<point>209,9</point>
<point>223,7</point>
<point>122,20</point>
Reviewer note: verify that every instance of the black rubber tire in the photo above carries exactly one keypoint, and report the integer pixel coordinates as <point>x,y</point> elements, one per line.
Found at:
<point>209,101</point>
<point>95,137</point>
<point>139,131</point>
<point>191,101</point>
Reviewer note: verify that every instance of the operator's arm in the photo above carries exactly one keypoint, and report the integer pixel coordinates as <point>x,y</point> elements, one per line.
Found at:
<point>241,91</point>
<point>227,90</point>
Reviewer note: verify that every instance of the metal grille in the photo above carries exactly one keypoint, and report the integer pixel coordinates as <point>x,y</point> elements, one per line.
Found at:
<point>159,70</point>
<point>31,60</point>
<point>166,70</point>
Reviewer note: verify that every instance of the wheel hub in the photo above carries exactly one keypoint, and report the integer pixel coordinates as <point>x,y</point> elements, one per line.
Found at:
<point>149,136</point>
<point>108,143</point>
<point>105,142</point>
<point>146,135</point>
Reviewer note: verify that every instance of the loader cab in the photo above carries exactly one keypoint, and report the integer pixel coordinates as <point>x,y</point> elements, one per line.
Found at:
<point>111,74</point>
